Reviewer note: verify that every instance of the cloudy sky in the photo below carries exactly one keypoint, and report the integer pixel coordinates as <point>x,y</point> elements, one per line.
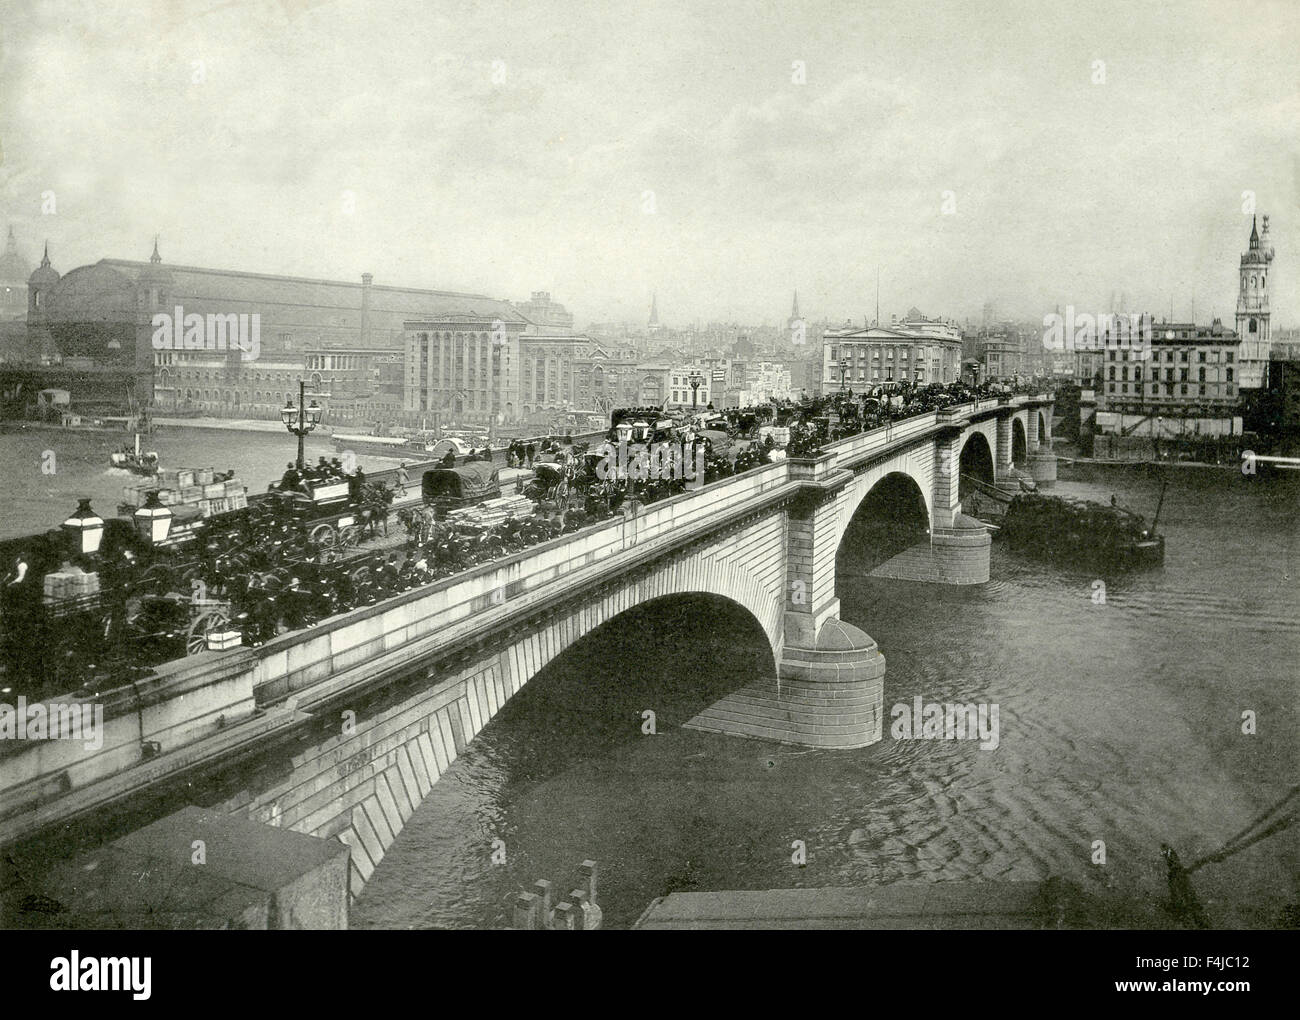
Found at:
<point>721,153</point>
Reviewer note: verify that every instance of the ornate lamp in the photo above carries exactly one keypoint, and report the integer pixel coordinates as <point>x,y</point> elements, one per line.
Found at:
<point>153,520</point>
<point>86,526</point>
<point>301,419</point>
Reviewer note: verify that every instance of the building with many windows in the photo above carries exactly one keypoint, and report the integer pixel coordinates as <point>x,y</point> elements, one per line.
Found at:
<point>914,349</point>
<point>680,391</point>
<point>1001,351</point>
<point>525,378</point>
<point>346,340</point>
<point>464,367</point>
<point>1189,373</point>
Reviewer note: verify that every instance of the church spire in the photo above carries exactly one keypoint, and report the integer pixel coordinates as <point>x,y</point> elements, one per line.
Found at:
<point>794,310</point>
<point>1254,235</point>
<point>45,259</point>
<point>654,309</point>
<point>155,258</point>
<point>11,245</point>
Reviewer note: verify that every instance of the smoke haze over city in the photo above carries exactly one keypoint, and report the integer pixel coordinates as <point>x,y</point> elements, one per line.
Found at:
<point>720,156</point>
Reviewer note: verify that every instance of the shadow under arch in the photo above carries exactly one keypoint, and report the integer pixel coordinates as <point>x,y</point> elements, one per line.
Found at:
<point>1019,444</point>
<point>976,463</point>
<point>673,655</point>
<point>891,517</point>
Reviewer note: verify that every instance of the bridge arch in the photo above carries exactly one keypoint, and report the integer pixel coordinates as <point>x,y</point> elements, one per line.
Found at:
<point>681,651</point>
<point>916,466</point>
<point>891,515</point>
<point>1019,443</point>
<point>686,577</point>
<point>976,461</point>
<point>1044,436</point>
<point>364,786</point>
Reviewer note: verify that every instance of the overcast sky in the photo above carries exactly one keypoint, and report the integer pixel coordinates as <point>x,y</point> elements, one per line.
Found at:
<point>606,151</point>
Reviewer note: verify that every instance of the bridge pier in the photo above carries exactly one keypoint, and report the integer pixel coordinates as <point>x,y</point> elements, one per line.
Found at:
<point>1042,467</point>
<point>958,550</point>
<point>830,684</point>
<point>1042,461</point>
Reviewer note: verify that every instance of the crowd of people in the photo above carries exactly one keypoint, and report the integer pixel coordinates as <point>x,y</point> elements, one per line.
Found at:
<point>312,476</point>
<point>264,567</point>
<point>845,413</point>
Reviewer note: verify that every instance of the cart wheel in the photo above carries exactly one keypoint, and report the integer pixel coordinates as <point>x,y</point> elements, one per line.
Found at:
<point>360,575</point>
<point>206,622</point>
<point>323,536</point>
<point>350,537</point>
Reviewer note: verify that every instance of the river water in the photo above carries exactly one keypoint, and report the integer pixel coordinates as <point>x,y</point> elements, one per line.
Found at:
<point>1119,721</point>
<point>46,470</point>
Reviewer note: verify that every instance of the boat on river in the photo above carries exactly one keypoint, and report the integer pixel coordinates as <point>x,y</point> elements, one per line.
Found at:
<point>131,459</point>
<point>1081,532</point>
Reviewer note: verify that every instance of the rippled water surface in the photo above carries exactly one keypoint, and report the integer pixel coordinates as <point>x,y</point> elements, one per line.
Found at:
<point>33,498</point>
<point>1119,722</point>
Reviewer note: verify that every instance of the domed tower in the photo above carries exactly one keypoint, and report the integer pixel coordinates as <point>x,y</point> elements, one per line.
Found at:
<point>39,285</point>
<point>1253,313</point>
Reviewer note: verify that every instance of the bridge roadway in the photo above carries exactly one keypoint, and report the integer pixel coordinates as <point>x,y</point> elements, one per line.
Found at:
<point>342,729</point>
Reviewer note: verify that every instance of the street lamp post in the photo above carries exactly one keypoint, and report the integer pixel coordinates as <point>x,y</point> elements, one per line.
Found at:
<point>696,382</point>
<point>301,419</point>
<point>624,432</point>
<point>844,371</point>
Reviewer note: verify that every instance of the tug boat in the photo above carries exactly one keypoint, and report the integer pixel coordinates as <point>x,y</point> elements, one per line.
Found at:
<point>134,461</point>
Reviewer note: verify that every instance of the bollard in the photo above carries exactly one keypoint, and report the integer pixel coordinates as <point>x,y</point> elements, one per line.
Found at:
<point>542,889</point>
<point>582,906</point>
<point>527,912</point>
<point>533,911</point>
<point>587,869</point>
<point>592,916</point>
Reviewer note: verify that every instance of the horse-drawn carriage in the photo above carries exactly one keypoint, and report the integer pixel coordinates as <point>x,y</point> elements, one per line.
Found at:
<point>323,514</point>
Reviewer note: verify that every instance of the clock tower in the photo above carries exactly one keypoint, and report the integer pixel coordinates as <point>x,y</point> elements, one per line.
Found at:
<point>1253,316</point>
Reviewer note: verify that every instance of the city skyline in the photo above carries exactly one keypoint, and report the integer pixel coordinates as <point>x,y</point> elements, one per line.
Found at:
<point>718,184</point>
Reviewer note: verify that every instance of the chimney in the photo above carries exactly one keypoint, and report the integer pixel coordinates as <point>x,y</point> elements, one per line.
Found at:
<point>366,280</point>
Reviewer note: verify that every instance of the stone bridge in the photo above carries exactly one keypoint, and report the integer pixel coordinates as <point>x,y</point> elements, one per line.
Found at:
<point>341,729</point>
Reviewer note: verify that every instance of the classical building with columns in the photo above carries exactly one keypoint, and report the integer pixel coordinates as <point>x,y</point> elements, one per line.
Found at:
<point>914,349</point>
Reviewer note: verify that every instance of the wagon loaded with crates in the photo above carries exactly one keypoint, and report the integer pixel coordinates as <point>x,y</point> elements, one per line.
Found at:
<point>189,492</point>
